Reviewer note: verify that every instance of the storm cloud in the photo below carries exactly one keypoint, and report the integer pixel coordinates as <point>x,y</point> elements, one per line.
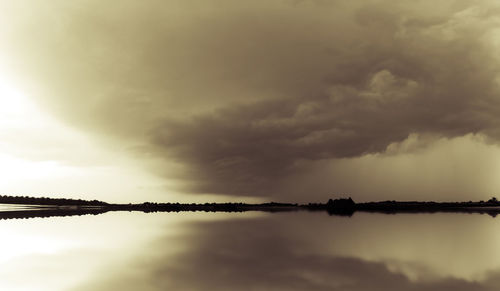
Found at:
<point>242,95</point>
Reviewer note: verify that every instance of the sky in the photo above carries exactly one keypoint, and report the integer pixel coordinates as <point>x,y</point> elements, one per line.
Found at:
<point>281,100</point>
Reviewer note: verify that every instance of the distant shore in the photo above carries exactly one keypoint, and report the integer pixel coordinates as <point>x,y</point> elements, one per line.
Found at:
<point>46,207</point>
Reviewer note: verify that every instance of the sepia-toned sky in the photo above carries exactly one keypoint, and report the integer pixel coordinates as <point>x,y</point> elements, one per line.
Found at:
<point>289,100</point>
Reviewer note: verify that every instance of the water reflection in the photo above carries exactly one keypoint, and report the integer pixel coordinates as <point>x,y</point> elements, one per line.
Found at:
<point>251,251</point>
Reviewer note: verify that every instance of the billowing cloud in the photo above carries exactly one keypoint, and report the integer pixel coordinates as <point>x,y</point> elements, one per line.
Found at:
<point>242,96</point>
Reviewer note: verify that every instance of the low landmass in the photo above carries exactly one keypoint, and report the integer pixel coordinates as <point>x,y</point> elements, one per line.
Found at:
<point>28,207</point>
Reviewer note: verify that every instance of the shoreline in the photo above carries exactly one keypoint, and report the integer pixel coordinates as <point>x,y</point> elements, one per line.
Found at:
<point>46,207</point>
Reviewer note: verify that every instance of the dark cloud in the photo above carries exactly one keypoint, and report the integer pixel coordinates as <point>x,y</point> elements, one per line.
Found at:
<point>377,94</point>
<point>242,95</point>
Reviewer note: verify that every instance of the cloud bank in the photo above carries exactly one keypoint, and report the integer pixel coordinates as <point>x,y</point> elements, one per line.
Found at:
<point>243,97</point>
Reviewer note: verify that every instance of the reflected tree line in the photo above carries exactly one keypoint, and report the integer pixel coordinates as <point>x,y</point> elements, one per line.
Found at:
<point>45,213</point>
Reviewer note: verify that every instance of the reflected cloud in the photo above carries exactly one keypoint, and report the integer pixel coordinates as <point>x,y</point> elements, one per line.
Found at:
<point>280,252</point>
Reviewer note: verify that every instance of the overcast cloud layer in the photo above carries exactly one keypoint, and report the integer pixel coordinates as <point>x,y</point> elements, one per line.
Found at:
<point>245,97</point>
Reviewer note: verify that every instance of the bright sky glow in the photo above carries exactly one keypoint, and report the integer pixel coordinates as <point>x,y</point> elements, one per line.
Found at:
<point>41,157</point>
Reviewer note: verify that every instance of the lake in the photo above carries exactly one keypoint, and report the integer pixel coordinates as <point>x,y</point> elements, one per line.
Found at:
<point>251,251</point>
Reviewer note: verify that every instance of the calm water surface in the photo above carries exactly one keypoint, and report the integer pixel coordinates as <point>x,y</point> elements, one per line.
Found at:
<point>251,251</point>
